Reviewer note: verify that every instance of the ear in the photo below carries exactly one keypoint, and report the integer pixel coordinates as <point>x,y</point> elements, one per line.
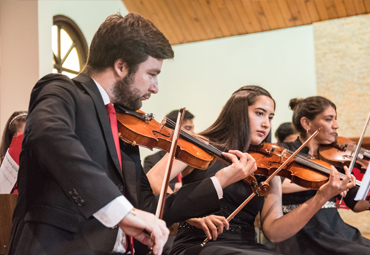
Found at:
<point>306,123</point>
<point>120,68</point>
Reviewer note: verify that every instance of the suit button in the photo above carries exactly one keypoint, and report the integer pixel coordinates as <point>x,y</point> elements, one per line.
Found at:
<point>120,187</point>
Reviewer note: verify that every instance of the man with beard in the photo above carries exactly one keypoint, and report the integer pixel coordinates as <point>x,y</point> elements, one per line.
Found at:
<point>78,184</point>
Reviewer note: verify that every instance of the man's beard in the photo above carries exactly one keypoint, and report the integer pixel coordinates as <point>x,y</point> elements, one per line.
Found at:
<point>125,95</point>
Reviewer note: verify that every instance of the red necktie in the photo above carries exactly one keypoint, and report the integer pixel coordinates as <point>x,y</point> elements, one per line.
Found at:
<point>113,124</point>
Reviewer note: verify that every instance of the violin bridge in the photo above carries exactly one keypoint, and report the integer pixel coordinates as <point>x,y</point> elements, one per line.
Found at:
<point>284,154</point>
<point>163,122</point>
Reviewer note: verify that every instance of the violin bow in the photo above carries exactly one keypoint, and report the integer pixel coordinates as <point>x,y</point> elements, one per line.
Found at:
<point>358,148</point>
<point>166,178</point>
<point>175,137</point>
<point>265,185</point>
<point>357,151</point>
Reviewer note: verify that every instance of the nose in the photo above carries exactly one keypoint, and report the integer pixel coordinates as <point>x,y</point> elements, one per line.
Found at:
<point>266,123</point>
<point>335,124</point>
<point>154,88</point>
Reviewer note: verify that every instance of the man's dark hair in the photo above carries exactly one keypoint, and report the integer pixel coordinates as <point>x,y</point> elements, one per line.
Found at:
<point>173,115</point>
<point>131,38</point>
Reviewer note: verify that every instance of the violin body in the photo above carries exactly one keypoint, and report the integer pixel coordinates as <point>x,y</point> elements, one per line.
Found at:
<point>308,173</point>
<point>341,152</point>
<point>151,134</point>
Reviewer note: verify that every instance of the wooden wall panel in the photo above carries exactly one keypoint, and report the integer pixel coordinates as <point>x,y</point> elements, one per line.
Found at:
<point>184,21</point>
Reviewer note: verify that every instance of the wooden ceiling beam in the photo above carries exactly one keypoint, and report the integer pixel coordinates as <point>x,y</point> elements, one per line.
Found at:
<point>184,21</point>
<point>204,21</point>
<point>305,16</point>
<point>285,12</point>
<point>235,17</point>
<point>252,16</point>
<point>330,9</point>
<point>311,7</point>
<point>367,5</point>
<point>341,9</point>
<point>296,15</point>
<point>359,7</point>
<point>350,8</point>
<point>244,19</point>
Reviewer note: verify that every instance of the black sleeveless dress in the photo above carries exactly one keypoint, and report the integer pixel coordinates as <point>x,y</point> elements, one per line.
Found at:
<point>240,238</point>
<point>326,232</point>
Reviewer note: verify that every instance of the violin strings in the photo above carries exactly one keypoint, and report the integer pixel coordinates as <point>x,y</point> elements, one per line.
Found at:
<point>316,166</point>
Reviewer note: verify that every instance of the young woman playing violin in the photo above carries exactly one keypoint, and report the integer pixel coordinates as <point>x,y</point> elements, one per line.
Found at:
<point>325,233</point>
<point>244,120</point>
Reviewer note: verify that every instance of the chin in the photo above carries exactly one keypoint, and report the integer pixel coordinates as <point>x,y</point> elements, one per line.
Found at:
<point>256,141</point>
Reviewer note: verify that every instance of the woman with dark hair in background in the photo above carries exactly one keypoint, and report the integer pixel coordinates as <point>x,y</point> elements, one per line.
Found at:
<point>325,233</point>
<point>245,120</point>
<point>13,127</point>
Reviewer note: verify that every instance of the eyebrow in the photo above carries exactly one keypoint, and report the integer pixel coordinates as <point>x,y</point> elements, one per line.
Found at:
<point>155,70</point>
<point>259,108</point>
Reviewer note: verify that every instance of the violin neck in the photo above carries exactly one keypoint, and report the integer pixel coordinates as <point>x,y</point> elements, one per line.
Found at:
<point>209,148</point>
<point>366,153</point>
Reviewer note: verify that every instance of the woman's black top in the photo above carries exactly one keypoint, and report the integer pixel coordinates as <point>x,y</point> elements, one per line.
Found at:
<point>326,232</point>
<point>240,238</point>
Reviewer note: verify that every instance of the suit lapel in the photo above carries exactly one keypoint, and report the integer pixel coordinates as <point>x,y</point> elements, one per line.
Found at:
<point>91,88</point>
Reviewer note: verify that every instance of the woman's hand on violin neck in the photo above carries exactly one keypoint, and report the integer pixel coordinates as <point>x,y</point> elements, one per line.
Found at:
<point>212,225</point>
<point>335,185</point>
<point>243,165</point>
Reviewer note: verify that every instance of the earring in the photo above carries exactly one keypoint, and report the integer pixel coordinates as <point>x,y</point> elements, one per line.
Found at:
<point>307,130</point>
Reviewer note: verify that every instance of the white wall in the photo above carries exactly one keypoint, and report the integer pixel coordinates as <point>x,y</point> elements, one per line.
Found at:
<point>203,75</point>
<point>18,55</point>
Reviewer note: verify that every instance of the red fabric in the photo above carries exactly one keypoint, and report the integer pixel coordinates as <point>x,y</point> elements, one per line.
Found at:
<point>179,178</point>
<point>113,123</point>
<point>130,244</point>
<point>16,147</point>
<point>357,173</point>
<point>14,150</point>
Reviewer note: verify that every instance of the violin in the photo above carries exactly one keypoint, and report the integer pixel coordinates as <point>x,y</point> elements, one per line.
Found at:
<point>341,152</point>
<point>308,173</point>
<point>139,128</point>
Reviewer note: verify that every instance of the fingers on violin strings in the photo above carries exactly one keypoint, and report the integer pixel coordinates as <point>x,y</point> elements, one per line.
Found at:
<point>347,172</point>
<point>233,155</point>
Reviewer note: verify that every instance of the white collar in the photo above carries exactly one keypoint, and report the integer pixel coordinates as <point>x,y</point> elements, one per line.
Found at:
<point>103,93</point>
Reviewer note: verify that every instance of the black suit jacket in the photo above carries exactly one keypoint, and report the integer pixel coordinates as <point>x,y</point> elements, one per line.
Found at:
<point>69,169</point>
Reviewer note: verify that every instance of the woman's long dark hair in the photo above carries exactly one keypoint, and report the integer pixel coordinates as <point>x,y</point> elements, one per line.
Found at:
<point>11,127</point>
<point>231,128</point>
<point>309,107</point>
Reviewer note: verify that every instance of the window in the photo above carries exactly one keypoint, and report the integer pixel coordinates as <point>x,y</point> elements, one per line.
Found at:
<point>69,47</point>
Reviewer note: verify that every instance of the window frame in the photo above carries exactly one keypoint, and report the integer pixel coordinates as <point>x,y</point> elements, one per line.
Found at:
<point>78,39</point>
